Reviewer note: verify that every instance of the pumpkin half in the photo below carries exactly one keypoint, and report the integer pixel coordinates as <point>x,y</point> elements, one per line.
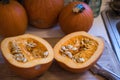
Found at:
<point>13,18</point>
<point>76,16</point>
<point>27,55</point>
<point>78,51</point>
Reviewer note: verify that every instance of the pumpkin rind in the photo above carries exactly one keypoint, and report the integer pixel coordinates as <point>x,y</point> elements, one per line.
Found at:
<point>43,13</point>
<point>69,64</point>
<point>32,68</point>
<point>13,19</point>
<point>71,22</point>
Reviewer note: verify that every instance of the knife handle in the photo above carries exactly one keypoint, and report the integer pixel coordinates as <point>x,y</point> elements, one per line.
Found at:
<point>106,75</point>
<point>109,75</point>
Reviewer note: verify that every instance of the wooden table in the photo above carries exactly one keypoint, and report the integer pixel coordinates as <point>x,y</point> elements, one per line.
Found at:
<point>55,72</point>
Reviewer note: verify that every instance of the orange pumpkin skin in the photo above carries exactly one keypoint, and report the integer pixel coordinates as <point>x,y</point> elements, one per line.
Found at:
<point>71,22</point>
<point>29,73</point>
<point>43,13</point>
<point>13,19</point>
<point>75,70</point>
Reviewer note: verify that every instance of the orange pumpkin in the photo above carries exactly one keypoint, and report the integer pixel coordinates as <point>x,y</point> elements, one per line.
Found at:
<point>13,18</point>
<point>78,51</point>
<point>76,16</point>
<point>27,55</point>
<point>43,13</point>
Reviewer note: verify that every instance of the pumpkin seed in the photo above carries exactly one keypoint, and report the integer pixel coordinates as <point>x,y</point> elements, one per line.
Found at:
<point>74,48</point>
<point>20,57</point>
<point>82,42</point>
<point>80,60</point>
<point>77,43</point>
<point>31,44</point>
<point>64,48</point>
<point>69,54</point>
<point>61,50</point>
<point>45,53</point>
<point>14,48</point>
<point>24,60</point>
<point>69,47</point>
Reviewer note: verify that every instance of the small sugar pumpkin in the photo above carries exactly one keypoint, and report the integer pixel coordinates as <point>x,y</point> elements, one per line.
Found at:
<point>13,18</point>
<point>78,51</point>
<point>43,13</point>
<point>76,16</point>
<point>27,55</point>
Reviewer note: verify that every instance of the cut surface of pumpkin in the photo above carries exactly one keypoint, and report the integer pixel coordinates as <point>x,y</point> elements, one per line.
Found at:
<point>24,50</point>
<point>27,52</point>
<point>78,50</point>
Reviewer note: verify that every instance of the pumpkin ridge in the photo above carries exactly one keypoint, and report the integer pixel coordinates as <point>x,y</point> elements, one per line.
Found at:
<point>85,20</point>
<point>53,14</point>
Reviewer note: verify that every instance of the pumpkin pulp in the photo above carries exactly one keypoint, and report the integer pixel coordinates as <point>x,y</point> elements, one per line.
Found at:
<point>27,49</point>
<point>79,49</point>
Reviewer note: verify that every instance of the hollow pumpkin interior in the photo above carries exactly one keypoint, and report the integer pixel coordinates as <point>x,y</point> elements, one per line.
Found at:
<point>78,50</point>
<point>27,51</point>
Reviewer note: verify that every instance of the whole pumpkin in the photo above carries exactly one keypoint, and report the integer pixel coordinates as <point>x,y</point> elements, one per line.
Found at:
<point>76,16</point>
<point>43,13</point>
<point>13,18</point>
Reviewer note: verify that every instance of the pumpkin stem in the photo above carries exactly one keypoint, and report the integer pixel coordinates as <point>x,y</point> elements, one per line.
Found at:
<point>78,8</point>
<point>5,1</point>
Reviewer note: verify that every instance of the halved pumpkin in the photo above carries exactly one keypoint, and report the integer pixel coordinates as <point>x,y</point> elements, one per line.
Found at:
<point>78,51</point>
<point>27,55</point>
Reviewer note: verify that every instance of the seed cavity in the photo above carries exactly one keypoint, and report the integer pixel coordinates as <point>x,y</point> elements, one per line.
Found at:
<point>25,50</point>
<point>79,49</point>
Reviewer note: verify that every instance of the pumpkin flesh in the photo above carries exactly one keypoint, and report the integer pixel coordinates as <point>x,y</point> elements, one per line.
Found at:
<point>85,50</point>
